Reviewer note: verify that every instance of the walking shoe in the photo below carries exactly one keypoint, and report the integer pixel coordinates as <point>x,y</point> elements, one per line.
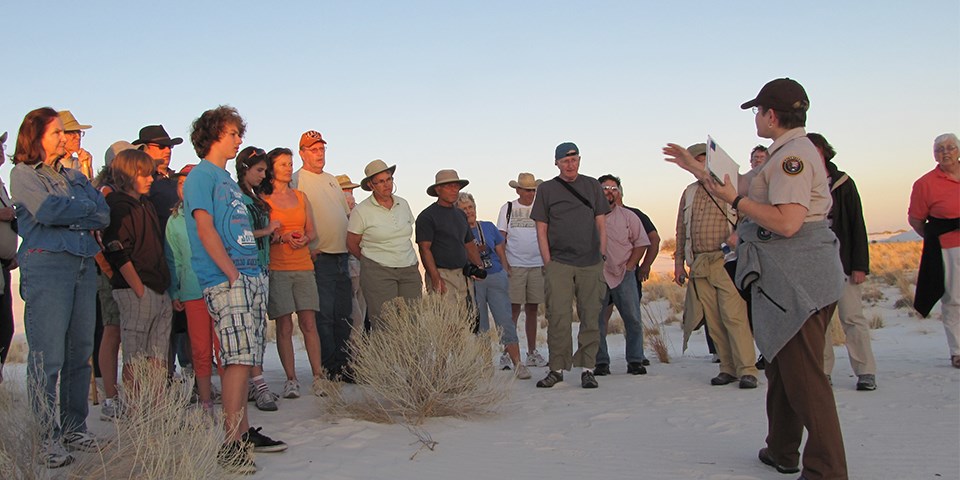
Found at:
<point>714,359</point>
<point>645,362</point>
<point>505,362</point>
<point>251,392</point>
<point>767,459</point>
<point>523,373</point>
<point>601,370</point>
<point>761,363</point>
<point>534,359</point>
<point>550,380</point>
<point>53,455</point>
<point>262,443</point>
<point>291,389</point>
<point>867,382</point>
<point>80,442</point>
<point>635,369</point>
<point>110,410</point>
<point>235,458</point>
<point>723,379</point>
<point>587,380</point>
<point>266,401</point>
<point>748,381</point>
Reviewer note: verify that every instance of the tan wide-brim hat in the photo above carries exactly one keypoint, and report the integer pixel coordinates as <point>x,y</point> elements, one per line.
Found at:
<point>70,123</point>
<point>346,183</point>
<point>526,181</point>
<point>443,177</point>
<point>372,169</point>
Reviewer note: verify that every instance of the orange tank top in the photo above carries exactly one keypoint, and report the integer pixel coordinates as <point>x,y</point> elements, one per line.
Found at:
<point>282,257</point>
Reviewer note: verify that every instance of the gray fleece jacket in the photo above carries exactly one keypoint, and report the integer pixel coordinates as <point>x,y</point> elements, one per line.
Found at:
<point>789,279</point>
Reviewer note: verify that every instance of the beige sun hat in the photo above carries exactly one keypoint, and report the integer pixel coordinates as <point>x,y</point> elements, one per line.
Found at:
<point>70,123</point>
<point>526,181</point>
<point>373,168</point>
<point>444,177</point>
<point>345,182</point>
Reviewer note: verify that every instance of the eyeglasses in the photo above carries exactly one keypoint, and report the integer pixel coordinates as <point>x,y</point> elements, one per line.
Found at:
<point>945,149</point>
<point>316,150</point>
<point>611,188</point>
<point>377,183</point>
<point>79,133</point>
<point>755,110</point>
<point>161,147</point>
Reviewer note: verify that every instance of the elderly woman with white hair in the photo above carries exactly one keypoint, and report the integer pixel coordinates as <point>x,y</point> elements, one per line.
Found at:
<point>492,293</point>
<point>935,215</point>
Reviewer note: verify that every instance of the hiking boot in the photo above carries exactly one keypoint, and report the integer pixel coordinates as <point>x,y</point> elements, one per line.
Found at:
<point>523,373</point>
<point>867,382</point>
<point>235,458</point>
<point>748,381</point>
<point>636,368</point>
<point>291,389</point>
<point>723,379</point>
<point>53,455</point>
<point>550,380</point>
<point>601,370</point>
<point>266,401</point>
<point>767,459</point>
<point>534,359</point>
<point>587,380</point>
<point>262,443</point>
<point>80,442</point>
<point>505,362</point>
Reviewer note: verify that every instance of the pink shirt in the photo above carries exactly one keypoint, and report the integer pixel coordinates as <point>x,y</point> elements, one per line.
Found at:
<point>937,195</point>
<point>624,233</point>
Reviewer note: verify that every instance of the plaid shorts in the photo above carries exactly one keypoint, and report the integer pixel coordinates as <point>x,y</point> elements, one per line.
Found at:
<point>144,323</point>
<point>238,314</point>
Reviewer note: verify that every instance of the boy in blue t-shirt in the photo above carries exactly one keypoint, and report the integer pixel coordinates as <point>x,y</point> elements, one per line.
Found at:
<point>225,261</point>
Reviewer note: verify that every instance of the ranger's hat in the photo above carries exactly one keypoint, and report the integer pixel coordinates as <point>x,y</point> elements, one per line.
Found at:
<point>782,94</point>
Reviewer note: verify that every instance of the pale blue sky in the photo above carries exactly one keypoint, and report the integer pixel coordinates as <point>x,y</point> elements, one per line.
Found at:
<point>490,88</point>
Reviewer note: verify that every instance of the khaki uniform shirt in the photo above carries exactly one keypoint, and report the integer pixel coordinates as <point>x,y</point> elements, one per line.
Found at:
<point>795,173</point>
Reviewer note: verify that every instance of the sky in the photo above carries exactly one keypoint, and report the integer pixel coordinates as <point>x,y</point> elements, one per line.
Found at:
<point>490,88</point>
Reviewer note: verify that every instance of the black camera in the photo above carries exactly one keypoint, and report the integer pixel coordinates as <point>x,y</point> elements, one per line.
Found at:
<point>471,270</point>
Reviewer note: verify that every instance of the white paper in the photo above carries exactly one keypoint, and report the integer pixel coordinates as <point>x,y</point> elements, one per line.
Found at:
<point>719,163</point>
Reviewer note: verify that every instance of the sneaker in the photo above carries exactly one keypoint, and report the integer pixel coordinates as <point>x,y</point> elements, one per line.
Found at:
<point>645,362</point>
<point>767,459</point>
<point>235,458</point>
<point>251,392</point>
<point>80,442</point>
<point>723,379</point>
<point>523,373</point>
<point>262,443</point>
<point>266,400</point>
<point>761,363</point>
<point>53,455</point>
<point>587,380</point>
<point>110,410</point>
<point>867,382</point>
<point>714,359</point>
<point>635,369</point>
<point>601,370</point>
<point>291,389</point>
<point>534,359</point>
<point>215,396</point>
<point>550,380</point>
<point>505,362</point>
<point>748,381</point>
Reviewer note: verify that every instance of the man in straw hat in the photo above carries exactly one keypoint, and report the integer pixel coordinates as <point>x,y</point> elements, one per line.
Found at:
<point>444,238</point>
<point>571,232</point>
<point>76,158</point>
<point>523,262</point>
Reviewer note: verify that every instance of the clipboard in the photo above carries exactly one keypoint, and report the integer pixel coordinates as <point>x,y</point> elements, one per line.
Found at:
<point>719,163</point>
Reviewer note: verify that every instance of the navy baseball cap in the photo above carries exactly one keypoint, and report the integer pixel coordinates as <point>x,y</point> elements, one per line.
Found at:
<point>566,149</point>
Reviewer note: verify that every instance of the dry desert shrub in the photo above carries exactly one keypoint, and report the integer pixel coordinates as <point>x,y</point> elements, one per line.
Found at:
<point>653,335</point>
<point>21,437</point>
<point>871,294</point>
<point>661,286</point>
<point>892,260</point>
<point>876,321</point>
<point>18,350</point>
<point>425,361</point>
<point>671,320</point>
<point>158,436</point>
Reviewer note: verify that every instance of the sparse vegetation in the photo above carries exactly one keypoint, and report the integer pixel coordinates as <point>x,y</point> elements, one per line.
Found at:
<point>653,334</point>
<point>876,321</point>
<point>895,261</point>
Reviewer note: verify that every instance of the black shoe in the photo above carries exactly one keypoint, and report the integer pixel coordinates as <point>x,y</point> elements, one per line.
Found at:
<point>867,383</point>
<point>601,370</point>
<point>550,380</point>
<point>636,369</point>
<point>587,380</point>
<point>761,363</point>
<point>262,443</point>
<point>767,459</point>
<point>235,458</point>
<point>645,362</point>
<point>723,379</point>
<point>748,381</point>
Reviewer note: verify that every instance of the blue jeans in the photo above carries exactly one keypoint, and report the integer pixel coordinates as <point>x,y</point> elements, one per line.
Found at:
<point>333,318</point>
<point>627,301</point>
<point>60,312</point>
<point>493,293</point>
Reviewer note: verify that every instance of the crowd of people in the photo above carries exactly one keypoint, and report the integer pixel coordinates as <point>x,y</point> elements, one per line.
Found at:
<point>190,265</point>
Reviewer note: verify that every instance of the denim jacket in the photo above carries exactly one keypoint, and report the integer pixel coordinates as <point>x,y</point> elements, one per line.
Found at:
<point>57,209</point>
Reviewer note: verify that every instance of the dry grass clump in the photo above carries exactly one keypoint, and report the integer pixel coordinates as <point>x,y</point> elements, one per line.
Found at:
<point>876,321</point>
<point>158,435</point>
<point>653,335</point>
<point>871,294</point>
<point>671,320</point>
<point>18,350</point>
<point>661,286</point>
<point>21,437</point>
<point>424,362</point>
<point>890,258</point>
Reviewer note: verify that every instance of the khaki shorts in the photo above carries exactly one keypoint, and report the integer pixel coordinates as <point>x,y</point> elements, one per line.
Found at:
<point>292,291</point>
<point>526,285</point>
<point>144,323</point>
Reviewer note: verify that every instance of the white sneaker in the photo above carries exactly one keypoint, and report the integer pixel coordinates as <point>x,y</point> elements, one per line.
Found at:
<point>291,389</point>
<point>505,362</point>
<point>534,359</point>
<point>80,442</point>
<point>53,455</point>
<point>110,410</point>
<point>523,373</point>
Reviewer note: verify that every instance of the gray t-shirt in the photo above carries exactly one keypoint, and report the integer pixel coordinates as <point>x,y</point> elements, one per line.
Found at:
<point>572,234</point>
